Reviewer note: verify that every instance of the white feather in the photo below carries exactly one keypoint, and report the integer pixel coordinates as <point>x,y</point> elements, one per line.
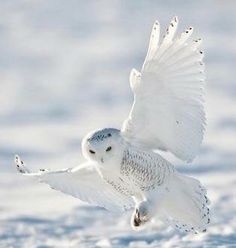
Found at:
<point>186,204</point>
<point>168,109</point>
<point>153,43</point>
<point>134,79</point>
<point>82,182</point>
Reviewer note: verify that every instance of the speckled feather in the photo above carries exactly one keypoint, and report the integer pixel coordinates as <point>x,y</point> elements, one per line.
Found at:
<point>146,170</point>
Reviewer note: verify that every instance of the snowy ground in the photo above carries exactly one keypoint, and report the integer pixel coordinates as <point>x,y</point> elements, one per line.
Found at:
<point>64,69</point>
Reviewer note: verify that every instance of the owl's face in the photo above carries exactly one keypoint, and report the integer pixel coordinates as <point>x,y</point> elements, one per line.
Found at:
<point>102,145</point>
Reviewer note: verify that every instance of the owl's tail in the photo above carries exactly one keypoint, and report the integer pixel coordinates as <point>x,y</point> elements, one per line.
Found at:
<point>186,204</point>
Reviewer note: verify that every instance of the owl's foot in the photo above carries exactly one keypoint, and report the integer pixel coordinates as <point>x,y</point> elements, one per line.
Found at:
<point>140,216</point>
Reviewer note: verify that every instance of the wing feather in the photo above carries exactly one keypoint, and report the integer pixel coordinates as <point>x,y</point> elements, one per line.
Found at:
<point>168,109</point>
<point>134,79</point>
<point>82,182</point>
<point>154,41</point>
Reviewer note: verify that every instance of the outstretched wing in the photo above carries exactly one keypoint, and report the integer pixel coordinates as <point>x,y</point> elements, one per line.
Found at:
<point>168,109</point>
<point>82,182</point>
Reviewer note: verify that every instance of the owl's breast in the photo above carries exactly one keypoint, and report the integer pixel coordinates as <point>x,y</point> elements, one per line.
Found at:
<point>144,170</point>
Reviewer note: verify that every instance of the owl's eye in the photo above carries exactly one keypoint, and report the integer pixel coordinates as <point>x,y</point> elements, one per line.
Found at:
<point>108,149</point>
<point>91,151</point>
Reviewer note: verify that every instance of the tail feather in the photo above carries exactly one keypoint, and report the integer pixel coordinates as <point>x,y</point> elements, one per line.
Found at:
<point>186,205</point>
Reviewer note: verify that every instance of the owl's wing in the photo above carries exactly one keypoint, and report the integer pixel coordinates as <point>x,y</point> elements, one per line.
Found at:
<point>168,109</point>
<point>82,182</point>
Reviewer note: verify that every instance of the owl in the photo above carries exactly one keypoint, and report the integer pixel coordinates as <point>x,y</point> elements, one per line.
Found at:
<point>124,169</point>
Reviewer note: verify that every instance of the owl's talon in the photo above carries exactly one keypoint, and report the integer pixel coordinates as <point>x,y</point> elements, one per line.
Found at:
<point>139,217</point>
<point>137,221</point>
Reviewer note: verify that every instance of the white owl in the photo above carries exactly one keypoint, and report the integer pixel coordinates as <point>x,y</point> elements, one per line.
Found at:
<point>123,168</point>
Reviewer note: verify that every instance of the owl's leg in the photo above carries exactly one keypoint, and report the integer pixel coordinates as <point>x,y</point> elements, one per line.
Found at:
<point>147,208</point>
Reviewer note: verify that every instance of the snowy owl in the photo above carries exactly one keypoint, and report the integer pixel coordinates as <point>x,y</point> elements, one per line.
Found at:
<point>124,169</point>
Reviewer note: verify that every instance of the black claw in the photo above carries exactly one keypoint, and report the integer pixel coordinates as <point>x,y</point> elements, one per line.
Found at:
<point>137,221</point>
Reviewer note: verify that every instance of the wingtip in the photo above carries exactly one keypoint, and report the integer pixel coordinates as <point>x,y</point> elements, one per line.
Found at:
<point>156,26</point>
<point>16,158</point>
<point>17,161</point>
<point>191,28</point>
<point>136,72</point>
<point>175,19</point>
<point>156,22</point>
<point>20,166</point>
<point>189,31</point>
<point>198,41</point>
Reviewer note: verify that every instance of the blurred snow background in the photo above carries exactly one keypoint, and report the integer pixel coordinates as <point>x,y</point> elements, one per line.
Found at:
<point>64,68</point>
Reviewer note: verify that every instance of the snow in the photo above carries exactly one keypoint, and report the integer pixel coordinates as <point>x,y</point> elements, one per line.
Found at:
<point>64,69</point>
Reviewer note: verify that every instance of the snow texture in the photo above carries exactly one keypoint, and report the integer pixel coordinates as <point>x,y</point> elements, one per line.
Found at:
<point>64,70</point>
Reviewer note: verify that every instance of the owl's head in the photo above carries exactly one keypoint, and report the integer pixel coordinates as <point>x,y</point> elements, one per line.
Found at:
<point>102,145</point>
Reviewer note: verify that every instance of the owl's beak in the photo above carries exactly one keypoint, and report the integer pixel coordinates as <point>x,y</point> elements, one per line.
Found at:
<point>102,160</point>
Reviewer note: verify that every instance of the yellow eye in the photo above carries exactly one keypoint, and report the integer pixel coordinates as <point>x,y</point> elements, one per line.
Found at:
<point>108,149</point>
